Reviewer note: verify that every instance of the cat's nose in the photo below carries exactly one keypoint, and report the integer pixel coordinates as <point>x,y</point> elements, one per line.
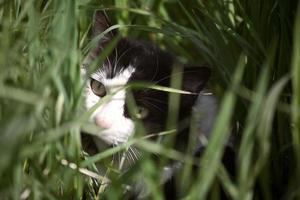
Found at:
<point>103,122</point>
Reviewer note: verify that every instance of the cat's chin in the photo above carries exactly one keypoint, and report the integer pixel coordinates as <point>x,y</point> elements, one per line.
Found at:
<point>111,139</point>
<point>101,144</point>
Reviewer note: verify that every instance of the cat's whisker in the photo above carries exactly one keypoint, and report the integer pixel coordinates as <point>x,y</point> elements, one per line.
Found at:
<point>154,106</point>
<point>130,158</point>
<point>114,155</point>
<point>116,61</point>
<point>156,69</point>
<point>156,100</point>
<point>131,155</point>
<point>170,75</point>
<point>109,61</point>
<point>162,79</point>
<point>119,58</point>
<point>135,152</point>
<point>118,154</point>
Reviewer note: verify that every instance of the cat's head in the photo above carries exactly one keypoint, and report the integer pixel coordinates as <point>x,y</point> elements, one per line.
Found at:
<point>135,60</point>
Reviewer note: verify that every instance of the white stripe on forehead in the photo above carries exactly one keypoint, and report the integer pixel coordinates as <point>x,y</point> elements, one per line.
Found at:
<point>120,79</point>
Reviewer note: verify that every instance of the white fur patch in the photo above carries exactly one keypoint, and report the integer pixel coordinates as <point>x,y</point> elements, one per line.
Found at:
<point>117,127</point>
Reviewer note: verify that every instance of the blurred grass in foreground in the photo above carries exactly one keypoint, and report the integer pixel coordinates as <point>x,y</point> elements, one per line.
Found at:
<point>253,47</point>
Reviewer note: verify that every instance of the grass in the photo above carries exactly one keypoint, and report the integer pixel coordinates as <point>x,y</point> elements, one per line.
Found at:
<point>253,46</point>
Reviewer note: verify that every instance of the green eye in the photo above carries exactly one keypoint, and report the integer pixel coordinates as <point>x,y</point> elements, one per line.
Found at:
<point>142,112</point>
<point>98,88</point>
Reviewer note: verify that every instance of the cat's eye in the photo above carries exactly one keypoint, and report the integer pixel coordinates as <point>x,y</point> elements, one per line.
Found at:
<point>142,112</point>
<point>98,88</point>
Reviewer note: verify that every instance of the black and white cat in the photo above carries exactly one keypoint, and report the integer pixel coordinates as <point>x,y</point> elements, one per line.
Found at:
<point>136,60</point>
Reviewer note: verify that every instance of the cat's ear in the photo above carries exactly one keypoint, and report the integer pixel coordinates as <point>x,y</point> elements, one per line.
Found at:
<point>195,78</point>
<point>100,25</point>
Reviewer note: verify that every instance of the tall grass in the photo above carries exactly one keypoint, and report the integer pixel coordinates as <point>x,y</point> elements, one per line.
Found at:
<point>253,47</point>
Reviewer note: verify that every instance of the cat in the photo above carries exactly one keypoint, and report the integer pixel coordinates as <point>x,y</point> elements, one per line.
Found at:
<point>135,60</point>
<point>130,61</point>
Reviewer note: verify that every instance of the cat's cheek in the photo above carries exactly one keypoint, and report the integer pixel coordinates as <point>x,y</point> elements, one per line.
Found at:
<point>129,128</point>
<point>90,101</point>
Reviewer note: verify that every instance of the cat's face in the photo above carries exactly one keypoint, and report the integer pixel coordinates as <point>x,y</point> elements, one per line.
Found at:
<point>130,61</point>
<point>109,116</point>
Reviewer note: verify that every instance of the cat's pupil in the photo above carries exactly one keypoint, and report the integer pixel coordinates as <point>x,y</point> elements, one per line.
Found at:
<point>98,88</point>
